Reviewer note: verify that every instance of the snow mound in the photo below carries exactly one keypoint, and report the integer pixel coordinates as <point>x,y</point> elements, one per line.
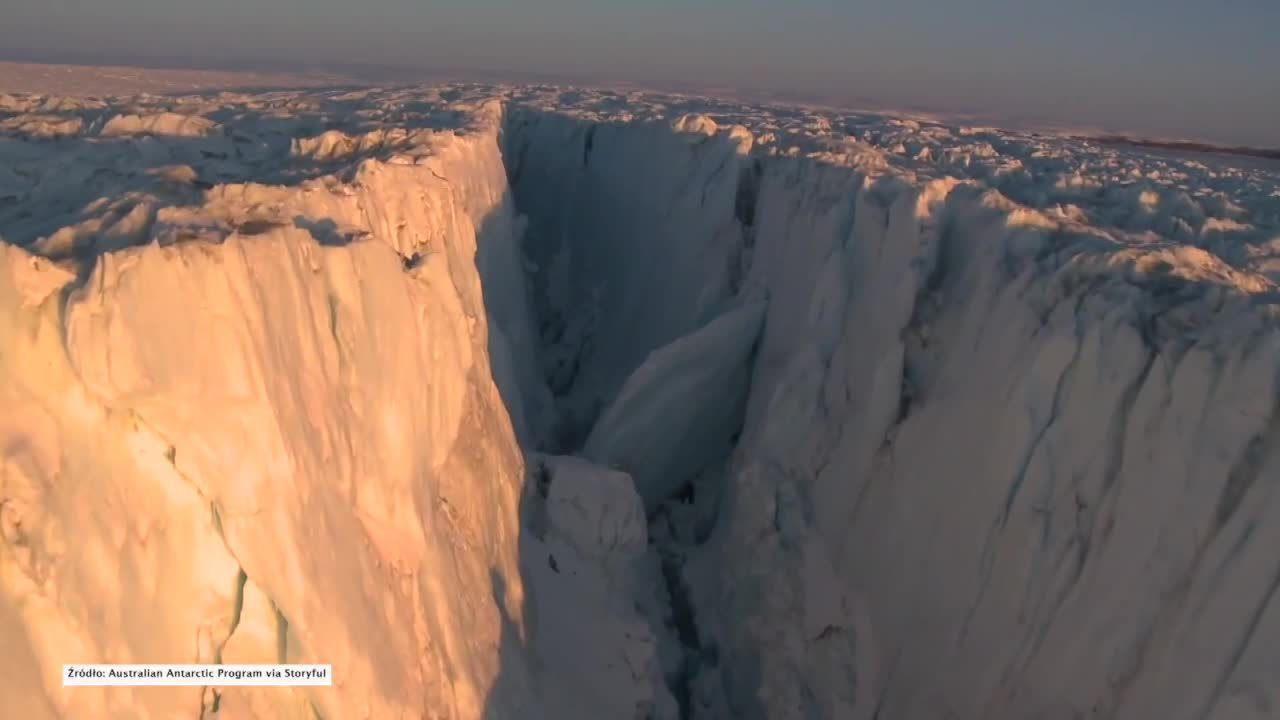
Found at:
<point>680,410</point>
<point>170,124</point>
<point>595,590</point>
<point>594,509</point>
<point>42,127</point>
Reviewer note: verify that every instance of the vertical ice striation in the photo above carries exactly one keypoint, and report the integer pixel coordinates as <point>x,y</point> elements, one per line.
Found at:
<point>1039,462</point>
<point>279,443</point>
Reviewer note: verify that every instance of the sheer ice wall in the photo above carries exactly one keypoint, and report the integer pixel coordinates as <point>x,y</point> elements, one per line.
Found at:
<point>996,461</point>
<point>1043,465</point>
<point>260,425</point>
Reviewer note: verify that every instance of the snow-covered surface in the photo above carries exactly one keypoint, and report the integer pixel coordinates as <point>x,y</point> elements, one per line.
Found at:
<point>927,421</point>
<point>102,81</point>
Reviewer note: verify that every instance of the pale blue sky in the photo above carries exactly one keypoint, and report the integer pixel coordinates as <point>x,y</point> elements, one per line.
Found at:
<point>1167,67</point>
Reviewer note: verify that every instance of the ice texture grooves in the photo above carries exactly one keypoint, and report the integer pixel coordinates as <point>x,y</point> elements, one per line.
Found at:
<point>529,402</point>
<point>624,261</point>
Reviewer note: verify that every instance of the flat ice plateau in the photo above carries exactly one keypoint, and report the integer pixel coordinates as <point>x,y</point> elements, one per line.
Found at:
<point>532,402</point>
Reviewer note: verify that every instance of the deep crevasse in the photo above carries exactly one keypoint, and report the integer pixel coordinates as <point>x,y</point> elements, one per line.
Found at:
<point>633,241</point>
<point>992,463</point>
<point>296,411</point>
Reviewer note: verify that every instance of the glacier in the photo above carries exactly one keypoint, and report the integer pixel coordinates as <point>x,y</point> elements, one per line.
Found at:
<point>520,402</point>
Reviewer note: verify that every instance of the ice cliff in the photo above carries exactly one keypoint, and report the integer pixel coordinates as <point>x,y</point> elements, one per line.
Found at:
<point>521,402</point>
<point>259,433</point>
